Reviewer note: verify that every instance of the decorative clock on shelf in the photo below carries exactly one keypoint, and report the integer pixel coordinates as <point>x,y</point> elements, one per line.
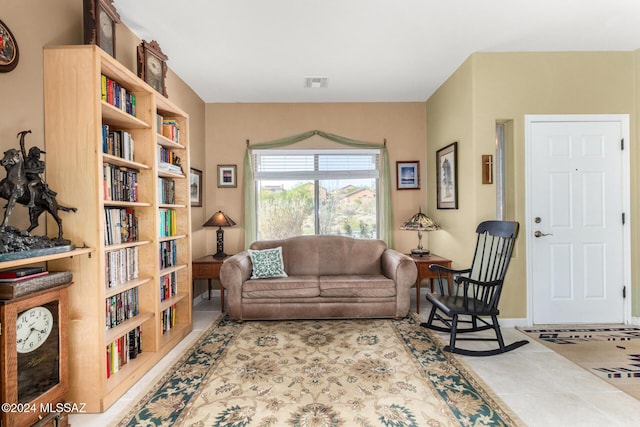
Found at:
<point>33,356</point>
<point>152,65</point>
<point>9,53</point>
<point>100,19</point>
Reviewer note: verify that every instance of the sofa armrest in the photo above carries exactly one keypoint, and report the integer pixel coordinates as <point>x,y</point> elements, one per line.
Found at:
<point>233,273</point>
<point>403,271</point>
<point>400,268</point>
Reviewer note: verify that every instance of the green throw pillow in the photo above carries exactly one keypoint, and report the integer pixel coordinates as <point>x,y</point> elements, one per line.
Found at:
<point>267,263</point>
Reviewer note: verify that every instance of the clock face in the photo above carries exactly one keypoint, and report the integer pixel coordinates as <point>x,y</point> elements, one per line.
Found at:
<point>105,29</point>
<point>33,328</point>
<point>153,74</point>
<point>38,350</point>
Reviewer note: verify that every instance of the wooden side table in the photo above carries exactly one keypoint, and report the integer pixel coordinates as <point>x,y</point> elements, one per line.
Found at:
<point>208,267</point>
<point>424,272</point>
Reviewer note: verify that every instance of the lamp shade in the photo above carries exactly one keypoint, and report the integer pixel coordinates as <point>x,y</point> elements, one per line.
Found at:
<point>420,222</point>
<point>219,219</point>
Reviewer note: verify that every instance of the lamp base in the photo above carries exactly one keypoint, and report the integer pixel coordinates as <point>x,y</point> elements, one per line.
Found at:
<point>219,255</point>
<point>420,252</point>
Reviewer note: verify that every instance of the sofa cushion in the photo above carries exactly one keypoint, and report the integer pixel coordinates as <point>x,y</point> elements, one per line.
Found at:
<point>283,287</point>
<point>328,255</point>
<point>267,263</point>
<point>357,285</point>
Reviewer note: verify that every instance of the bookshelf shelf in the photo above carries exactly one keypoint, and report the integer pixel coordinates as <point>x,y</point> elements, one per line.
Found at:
<point>94,104</point>
<point>130,368</point>
<point>126,245</point>
<point>166,142</point>
<point>118,331</point>
<point>117,117</point>
<point>170,270</point>
<point>5,265</point>
<point>170,206</point>
<point>135,283</point>
<point>172,301</point>
<point>176,237</point>
<point>114,160</point>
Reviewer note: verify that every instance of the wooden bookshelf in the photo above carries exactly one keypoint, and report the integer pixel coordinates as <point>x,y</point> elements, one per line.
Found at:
<point>74,117</point>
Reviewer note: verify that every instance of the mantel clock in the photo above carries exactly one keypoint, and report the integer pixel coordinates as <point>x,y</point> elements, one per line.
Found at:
<point>100,19</point>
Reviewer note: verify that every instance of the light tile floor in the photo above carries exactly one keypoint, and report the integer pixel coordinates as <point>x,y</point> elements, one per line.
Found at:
<point>540,386</point>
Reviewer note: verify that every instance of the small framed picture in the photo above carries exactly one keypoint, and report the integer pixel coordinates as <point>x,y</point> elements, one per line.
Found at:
<point>152,65</point>
<point>195,187</point>
<point>100,19</point>
<point>227,176</point>
<point>447,176</point>
<point>408,175</point>
<point>8,49</point>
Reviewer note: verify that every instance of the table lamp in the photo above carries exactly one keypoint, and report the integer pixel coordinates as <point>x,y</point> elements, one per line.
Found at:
<point>420,222</point>
<point>219,219</point>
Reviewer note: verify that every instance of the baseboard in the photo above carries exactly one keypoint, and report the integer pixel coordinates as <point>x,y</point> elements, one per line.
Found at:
<point>512,323</point>
<point>198,298</point>
<point>205,296</point>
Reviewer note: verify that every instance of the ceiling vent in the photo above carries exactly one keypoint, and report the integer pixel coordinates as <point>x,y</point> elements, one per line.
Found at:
<point>316,82</point>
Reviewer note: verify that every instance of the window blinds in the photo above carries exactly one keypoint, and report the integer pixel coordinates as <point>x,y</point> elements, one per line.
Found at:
<point>310,164</point>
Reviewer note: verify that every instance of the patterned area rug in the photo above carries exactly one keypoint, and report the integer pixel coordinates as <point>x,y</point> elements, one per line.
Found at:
<point>610,352</point>
<point>318,373</point>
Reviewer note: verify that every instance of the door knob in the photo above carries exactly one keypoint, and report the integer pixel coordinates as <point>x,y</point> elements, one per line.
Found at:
<point>539,233</point>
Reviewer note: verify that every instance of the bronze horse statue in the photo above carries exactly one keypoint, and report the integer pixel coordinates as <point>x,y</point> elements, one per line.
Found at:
<point>30,191</point>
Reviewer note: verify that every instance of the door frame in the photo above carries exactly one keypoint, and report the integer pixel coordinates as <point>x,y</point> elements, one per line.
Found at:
<point>623,119</point>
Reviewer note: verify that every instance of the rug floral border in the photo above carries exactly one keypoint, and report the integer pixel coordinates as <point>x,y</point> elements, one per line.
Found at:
<point>469,402</point>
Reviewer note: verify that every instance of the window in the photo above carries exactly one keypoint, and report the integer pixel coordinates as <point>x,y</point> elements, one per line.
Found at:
<point>316,192</point>
<point>504,170</point>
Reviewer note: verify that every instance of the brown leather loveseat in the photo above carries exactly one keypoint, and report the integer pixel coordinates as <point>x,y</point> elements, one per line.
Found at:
<point>324,277</point>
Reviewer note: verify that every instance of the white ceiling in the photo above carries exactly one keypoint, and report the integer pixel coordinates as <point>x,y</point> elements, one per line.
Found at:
<point>370,50</point>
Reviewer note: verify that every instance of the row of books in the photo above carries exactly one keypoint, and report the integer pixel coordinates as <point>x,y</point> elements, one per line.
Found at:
<point>166,191</point>
<point>120,183</point>
<point>168,222</point>
<point>121,266</point>
<point>117,143</point>
<point>121,307</point>
<point>168,320</point>
<point>168,167</point>
<point>168,254</point>
<point>122,350</point>
<point>168,285</point>
<point>116,95</point>
<point>168,128</point>
<point>167,156</point>
<point>120,226</point>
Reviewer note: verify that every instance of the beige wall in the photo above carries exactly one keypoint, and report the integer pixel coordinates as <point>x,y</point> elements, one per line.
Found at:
<point>37,24</point>
<point>485,88</point>
<point>449,119</point>
<point>508,86</point>
<point>230,125</point>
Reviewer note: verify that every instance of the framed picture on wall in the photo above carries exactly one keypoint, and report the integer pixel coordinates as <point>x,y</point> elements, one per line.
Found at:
<point>195,187</point>
<point>408,175</point>
<point>447,176</point>
<point>227,176</point>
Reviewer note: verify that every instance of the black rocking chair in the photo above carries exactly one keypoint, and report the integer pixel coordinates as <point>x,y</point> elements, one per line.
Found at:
<point>476,290</point>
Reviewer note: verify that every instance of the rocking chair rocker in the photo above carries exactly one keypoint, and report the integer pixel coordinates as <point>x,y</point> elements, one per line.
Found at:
<point>476,291</point>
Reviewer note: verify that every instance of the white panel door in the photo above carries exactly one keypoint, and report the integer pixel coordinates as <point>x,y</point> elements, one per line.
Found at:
<point>576,233</point>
